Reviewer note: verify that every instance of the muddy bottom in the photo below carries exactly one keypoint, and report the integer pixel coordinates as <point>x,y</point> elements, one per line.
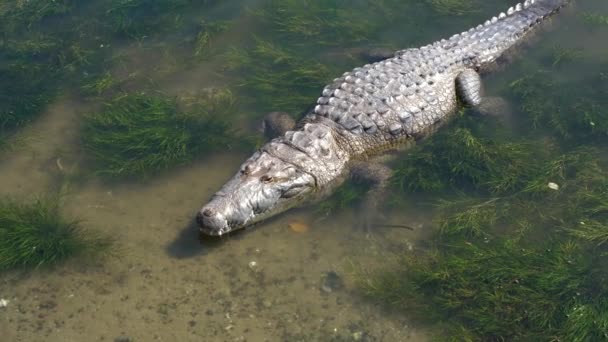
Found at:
<point>271,283</point>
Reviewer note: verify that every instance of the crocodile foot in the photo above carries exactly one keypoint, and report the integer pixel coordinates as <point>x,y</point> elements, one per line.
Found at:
<point>277,123</point>
<point>378,175</point>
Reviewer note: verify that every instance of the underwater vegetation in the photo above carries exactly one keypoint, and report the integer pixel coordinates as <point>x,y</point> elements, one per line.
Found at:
<point>138,134</point>
<point>28,63</point>
<point>138,18</point>
<point>527,265</point>
<point>35,234</point>
<point>519,242</point>
<point>48,46</point>
<point>596,19</point>
<point>576,110</point>
<point>454,7</point>
<point>466,160</point>
<point>290,59</point>
<point>277,80</point>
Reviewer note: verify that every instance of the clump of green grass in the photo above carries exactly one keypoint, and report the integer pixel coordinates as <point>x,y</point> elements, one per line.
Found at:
<point>576,111</point>
<point>141,134</point>
<point>502,290</point>
<point>595,19</point>
<point>275,79</point>
<point>34,234</point>
<point>138,18</point>
<point>454,7</point>
<point>524,265</point>
<point>324,22</point>
<point>459,157</point>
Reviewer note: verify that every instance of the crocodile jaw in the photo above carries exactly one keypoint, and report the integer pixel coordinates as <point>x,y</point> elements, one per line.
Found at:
<point>265,186</point>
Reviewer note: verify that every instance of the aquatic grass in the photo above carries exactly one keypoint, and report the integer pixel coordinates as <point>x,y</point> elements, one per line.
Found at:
<point>497,290</point>
<point>35,234</point>
<point>138,18</point>
<point>457,157</point>
<point>577,111</point>
<point>203,42</point>
<point>141,134</point>
<point>324,22</point>
<point>528,264</point>
<point>24,93</point>
<point>595,19</point>
<point>347,196</point>
<point>276,79</point>
<point>454,7</point>
<point>563,55</point>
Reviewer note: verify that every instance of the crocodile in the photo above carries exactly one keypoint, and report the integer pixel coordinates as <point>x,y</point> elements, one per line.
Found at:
<point>365,113</point>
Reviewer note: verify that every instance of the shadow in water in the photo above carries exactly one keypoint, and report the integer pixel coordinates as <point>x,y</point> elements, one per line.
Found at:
<point>190,242</point>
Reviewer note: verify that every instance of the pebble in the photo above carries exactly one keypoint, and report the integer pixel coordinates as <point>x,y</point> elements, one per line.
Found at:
<point>123,338</point>
<point>331,282</point>
<point>358,336</point>
<point>4,303</point>
<point>553,186</point>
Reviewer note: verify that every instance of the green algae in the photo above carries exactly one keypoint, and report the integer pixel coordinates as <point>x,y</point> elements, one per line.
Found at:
<point>35,234</point>
<point>141,134</point>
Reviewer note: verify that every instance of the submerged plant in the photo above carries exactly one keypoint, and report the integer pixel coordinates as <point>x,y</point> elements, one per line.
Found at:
<point>501,290</point>
<point>36,234</point>
<point>459,157</point>
<point>575,111</point>
<point>596,19</point>
<point>276,79</point>
<point>140,134</point>
<point>495,275</point>
<point>454,7</point>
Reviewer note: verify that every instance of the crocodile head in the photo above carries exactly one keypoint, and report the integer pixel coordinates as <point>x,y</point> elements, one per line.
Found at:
<point>264,186</point>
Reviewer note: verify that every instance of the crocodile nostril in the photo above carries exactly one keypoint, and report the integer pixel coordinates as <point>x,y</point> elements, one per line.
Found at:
<point>208,212</point>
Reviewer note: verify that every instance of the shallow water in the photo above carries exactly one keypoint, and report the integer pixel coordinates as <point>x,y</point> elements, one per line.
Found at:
<point>263,285</point>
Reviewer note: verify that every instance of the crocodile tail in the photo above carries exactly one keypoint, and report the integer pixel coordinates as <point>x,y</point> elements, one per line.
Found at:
<point>486,42</point>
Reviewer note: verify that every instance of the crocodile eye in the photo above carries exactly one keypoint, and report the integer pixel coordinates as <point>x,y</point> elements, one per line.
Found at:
<point>266,179</point>
<point>246,170</point>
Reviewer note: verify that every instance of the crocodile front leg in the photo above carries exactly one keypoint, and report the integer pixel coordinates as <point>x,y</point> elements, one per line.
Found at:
<point>470,91</point>
<point>276,124</point>
<point>378,175</point>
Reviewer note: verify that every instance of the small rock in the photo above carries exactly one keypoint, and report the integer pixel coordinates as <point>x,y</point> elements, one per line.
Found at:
<point>331,282</point>
<point>553,186</point>
<point>253,264</point>
<point>4,303</point>
<point>357,336</point>
<point>123,338</point>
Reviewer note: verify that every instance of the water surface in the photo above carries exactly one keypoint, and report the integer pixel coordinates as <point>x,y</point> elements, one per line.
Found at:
<point>265,284</point>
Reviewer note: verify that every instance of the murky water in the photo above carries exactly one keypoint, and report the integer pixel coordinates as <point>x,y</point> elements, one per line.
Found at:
<point>263,285</point>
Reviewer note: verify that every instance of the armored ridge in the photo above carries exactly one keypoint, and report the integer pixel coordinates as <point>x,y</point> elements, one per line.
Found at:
<point>364,112</point>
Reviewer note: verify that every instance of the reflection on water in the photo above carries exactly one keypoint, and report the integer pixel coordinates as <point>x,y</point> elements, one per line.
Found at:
<point>267,283</point>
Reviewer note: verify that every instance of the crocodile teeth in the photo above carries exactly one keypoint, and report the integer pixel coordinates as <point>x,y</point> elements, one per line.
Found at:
<point>501,15</point>
<point>518,7</point>
<point>511,10</point>
<point>487,23</point>
<point>494,19</point>
<point>527,3</point>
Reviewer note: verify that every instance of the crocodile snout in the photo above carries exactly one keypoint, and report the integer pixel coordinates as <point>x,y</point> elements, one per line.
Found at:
<point>211,222</point>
